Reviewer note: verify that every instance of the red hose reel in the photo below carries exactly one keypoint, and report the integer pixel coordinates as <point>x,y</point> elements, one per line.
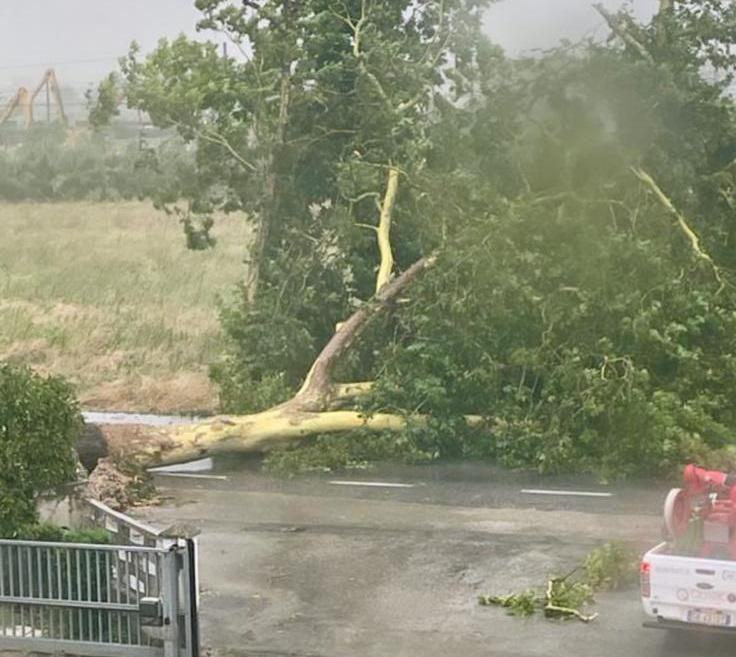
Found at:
<point>708,496</point>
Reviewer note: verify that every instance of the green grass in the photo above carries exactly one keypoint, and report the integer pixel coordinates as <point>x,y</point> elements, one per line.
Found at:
<point>107,295</point>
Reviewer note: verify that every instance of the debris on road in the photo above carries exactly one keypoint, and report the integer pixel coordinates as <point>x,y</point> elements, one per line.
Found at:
<point>609,567</point>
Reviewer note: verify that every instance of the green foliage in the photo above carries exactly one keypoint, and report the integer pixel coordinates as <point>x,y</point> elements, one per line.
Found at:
<point>563,598</point>
<point>103,106</point>
<point>568,306</point>
<point>524,603</point>
<point>356,449</point>
<point>47,166</point>
<point>612,566</point>
<point>564,594</point>
<point>300,138</point>
<point>576,315</point>
<point>239,389</point>
<point>39,424</point>
<point>46,531</point>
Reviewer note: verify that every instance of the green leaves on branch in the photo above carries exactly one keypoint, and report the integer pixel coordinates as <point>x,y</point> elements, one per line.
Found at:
<point>39,425</point>
<point>609,567</point>
<point>562,599</point>
<point>612,566</point>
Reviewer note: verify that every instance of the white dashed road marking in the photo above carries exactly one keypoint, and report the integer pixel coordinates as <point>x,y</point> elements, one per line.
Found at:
<point>577,493</point>
<point>371,484</point>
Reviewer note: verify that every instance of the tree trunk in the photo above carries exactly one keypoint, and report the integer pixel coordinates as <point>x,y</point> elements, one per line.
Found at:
<point>270,201</point>
<point>307,413</point>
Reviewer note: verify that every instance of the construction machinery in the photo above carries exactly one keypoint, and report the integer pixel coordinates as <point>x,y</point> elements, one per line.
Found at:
<point>23,101</point>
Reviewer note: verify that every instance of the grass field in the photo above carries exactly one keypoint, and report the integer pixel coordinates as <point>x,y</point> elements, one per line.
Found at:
<point>107,295</point>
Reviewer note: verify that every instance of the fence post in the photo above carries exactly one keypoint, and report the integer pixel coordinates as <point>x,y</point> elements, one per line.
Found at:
<point>190,588</point>
<point>170,592</point>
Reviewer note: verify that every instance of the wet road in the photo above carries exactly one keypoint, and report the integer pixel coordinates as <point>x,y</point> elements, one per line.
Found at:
<point>306,566</point>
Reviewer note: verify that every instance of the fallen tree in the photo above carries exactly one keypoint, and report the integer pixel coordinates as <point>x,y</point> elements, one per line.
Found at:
<point>308,412</point>
<point>312,410</point>
<point>581,307</point>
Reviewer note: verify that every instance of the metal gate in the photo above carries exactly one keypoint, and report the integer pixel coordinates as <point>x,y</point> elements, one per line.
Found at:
<point>98,600</point>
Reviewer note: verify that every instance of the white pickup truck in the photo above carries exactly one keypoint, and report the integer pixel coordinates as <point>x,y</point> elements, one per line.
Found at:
<point>683,592</point>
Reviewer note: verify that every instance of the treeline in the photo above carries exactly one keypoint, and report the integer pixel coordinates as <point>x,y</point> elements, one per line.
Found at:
<point>51,164</point>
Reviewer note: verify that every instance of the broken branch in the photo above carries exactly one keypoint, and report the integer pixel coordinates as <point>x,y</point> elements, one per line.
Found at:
<point>620,29</point>
<point>384,229</point>
<point>689,233</point>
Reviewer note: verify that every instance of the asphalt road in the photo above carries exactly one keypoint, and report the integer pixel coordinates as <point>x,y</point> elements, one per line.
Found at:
<point>307,567</point>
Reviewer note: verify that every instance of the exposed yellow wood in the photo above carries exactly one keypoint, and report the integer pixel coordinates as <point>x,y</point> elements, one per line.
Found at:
<point>684,226</point>
<point>260,432</point>
<point>384,229</point>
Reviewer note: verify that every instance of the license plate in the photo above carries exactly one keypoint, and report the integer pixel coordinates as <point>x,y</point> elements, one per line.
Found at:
<point>708,617</point>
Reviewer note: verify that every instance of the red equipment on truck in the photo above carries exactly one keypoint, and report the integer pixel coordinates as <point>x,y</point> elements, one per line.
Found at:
<point>708,496</point>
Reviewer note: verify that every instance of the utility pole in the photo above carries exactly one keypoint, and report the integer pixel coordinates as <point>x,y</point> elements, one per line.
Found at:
<point>48,103</point>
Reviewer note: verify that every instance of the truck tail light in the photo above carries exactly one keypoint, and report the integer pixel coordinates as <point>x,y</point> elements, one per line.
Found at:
<point>645,569</point>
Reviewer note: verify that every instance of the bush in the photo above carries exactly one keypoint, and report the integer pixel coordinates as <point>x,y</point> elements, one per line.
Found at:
<point>49,532</point>
<point>39,424</point>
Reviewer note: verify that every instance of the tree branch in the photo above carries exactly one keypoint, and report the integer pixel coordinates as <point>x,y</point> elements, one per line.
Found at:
<point>216,138</point>
<point>315,389</point>
<point>384,229</point>
<point>690,234</point>
<point>342,391</point>
<point>621,30</point>
<point>213,137</point>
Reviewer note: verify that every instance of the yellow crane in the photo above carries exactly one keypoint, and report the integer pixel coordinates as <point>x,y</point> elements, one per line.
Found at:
<point>24,99</point>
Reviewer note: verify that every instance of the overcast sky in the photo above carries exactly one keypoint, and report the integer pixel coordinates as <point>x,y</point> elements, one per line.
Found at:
<point>81,39</point>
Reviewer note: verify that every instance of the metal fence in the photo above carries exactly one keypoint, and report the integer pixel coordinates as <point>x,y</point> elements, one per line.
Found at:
<point>101,600</point>
<point>121,528</point>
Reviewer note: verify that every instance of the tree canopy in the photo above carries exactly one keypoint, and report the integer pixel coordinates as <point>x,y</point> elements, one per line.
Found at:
<point>576,208</point>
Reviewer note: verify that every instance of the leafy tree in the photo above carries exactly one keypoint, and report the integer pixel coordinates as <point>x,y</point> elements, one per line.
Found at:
<point>104,106</point>
<point>39,424</point>
<point>324,125</point>
<point>566,225</point>
<point>591,317</point>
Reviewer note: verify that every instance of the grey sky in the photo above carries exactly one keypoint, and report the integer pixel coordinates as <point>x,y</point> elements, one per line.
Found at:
<point>83,38</point>
<point>523,25</point>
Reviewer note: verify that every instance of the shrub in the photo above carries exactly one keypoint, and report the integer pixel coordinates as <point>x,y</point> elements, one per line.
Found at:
<point>39,424</point>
